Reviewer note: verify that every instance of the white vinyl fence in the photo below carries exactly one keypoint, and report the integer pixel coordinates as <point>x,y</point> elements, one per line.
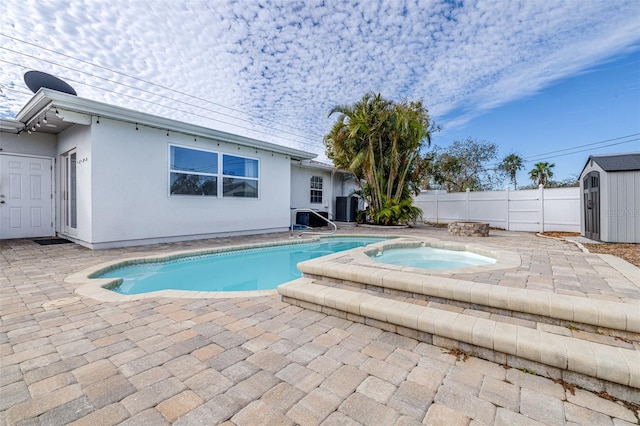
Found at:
<point>533,210</point>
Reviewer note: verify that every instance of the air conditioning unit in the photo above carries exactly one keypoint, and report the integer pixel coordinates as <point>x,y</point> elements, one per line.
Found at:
<point>346,209</point>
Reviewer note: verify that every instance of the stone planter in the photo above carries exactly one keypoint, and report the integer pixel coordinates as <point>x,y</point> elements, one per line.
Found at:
<point>469,229</point>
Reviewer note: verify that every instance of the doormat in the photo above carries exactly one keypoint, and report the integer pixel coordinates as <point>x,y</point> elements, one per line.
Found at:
<point>52,241</point>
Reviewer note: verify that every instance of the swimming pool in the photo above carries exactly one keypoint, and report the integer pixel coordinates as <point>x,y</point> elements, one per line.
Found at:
<point>432,258</point>
<point>233,270</point>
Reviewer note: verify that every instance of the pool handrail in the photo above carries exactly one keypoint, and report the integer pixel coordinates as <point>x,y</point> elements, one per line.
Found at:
<point>294,214</point>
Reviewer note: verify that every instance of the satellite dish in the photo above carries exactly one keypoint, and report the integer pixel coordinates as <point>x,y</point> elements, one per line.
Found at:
<point>38,79</point>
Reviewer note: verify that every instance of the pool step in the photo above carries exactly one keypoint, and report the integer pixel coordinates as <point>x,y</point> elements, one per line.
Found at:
<point>592,315</point>
<point>611,337</point>
<point>592,365</point>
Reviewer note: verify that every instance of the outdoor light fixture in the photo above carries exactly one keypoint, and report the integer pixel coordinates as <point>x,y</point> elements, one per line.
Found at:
<point>58,113</point>
<point>44,120</point>
<point>38,124</point>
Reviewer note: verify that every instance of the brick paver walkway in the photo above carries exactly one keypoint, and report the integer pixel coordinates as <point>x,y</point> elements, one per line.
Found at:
<point>72,360</point>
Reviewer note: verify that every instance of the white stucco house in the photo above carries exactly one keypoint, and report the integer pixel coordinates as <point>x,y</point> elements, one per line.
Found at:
<point>104,176</point>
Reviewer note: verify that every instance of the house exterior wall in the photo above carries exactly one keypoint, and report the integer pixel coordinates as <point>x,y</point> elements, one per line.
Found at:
<point>334,185</point>
<point>130,190</point>
<point>37,144</point>
<point>344,186</point>
<point>301,189</point>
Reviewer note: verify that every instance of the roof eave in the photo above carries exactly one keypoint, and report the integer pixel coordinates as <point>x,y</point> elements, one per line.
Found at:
<point>44,97</point>
<point>34,106</point>
<point>10,126</point>
<point>318,165</point>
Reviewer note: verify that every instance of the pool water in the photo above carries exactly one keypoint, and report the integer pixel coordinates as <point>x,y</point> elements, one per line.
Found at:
<point>432,258</point>
<point>249,269</point>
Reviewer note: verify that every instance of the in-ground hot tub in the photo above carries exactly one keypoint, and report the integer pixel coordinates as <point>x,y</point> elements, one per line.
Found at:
<point>431,258</point>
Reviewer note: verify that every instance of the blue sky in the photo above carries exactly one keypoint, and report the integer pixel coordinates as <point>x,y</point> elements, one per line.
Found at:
<point>531,76</point>
<point>567,121</point>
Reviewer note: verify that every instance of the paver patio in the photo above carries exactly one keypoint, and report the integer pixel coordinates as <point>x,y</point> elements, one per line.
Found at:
<point>257,360</point>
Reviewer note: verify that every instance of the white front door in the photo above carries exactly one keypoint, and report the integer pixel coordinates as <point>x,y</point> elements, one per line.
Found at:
<point>26,197</point>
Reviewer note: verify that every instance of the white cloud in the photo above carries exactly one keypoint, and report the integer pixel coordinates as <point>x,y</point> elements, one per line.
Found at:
<point>290,62</point>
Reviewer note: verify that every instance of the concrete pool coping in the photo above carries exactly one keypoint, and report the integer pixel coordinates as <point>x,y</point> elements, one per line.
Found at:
<point>98,288</point>
<point>364,269</point>
<point>364,256</point>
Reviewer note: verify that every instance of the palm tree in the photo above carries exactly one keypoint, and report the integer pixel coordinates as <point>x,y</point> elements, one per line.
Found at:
<point>353,140</point>
<point>379,141</point>
<point>408,127</point>
<point>541,173</point>
<point>510,165</point>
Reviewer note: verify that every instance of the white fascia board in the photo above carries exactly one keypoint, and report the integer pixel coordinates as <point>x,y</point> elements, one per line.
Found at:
<point>33,107</point>
<point>86,106</point>
<point>317,165</point>
<point>11,126</point>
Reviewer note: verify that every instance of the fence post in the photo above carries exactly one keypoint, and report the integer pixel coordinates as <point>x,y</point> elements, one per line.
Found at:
<point>541,197</point>
<point>468,206</point>
<point>507,208</point>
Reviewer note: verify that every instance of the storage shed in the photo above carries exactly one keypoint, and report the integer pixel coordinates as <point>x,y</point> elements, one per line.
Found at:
<point>610,203</point>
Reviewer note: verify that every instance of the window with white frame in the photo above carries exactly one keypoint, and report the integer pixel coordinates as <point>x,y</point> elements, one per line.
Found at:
<point>316,190</point>
<point>193,171</point>
<point>239,176</point>
<point>197,172</point>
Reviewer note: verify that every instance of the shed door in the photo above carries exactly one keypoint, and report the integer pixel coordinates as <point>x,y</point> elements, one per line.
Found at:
<point>592,205</point>
<point>25,197</point>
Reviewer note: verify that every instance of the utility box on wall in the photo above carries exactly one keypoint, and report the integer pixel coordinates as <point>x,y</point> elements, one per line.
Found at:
<point>610,203</point>
<point>346,209</point>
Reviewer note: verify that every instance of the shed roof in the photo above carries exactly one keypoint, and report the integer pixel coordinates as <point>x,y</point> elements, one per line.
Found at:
<point>617,162</point>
